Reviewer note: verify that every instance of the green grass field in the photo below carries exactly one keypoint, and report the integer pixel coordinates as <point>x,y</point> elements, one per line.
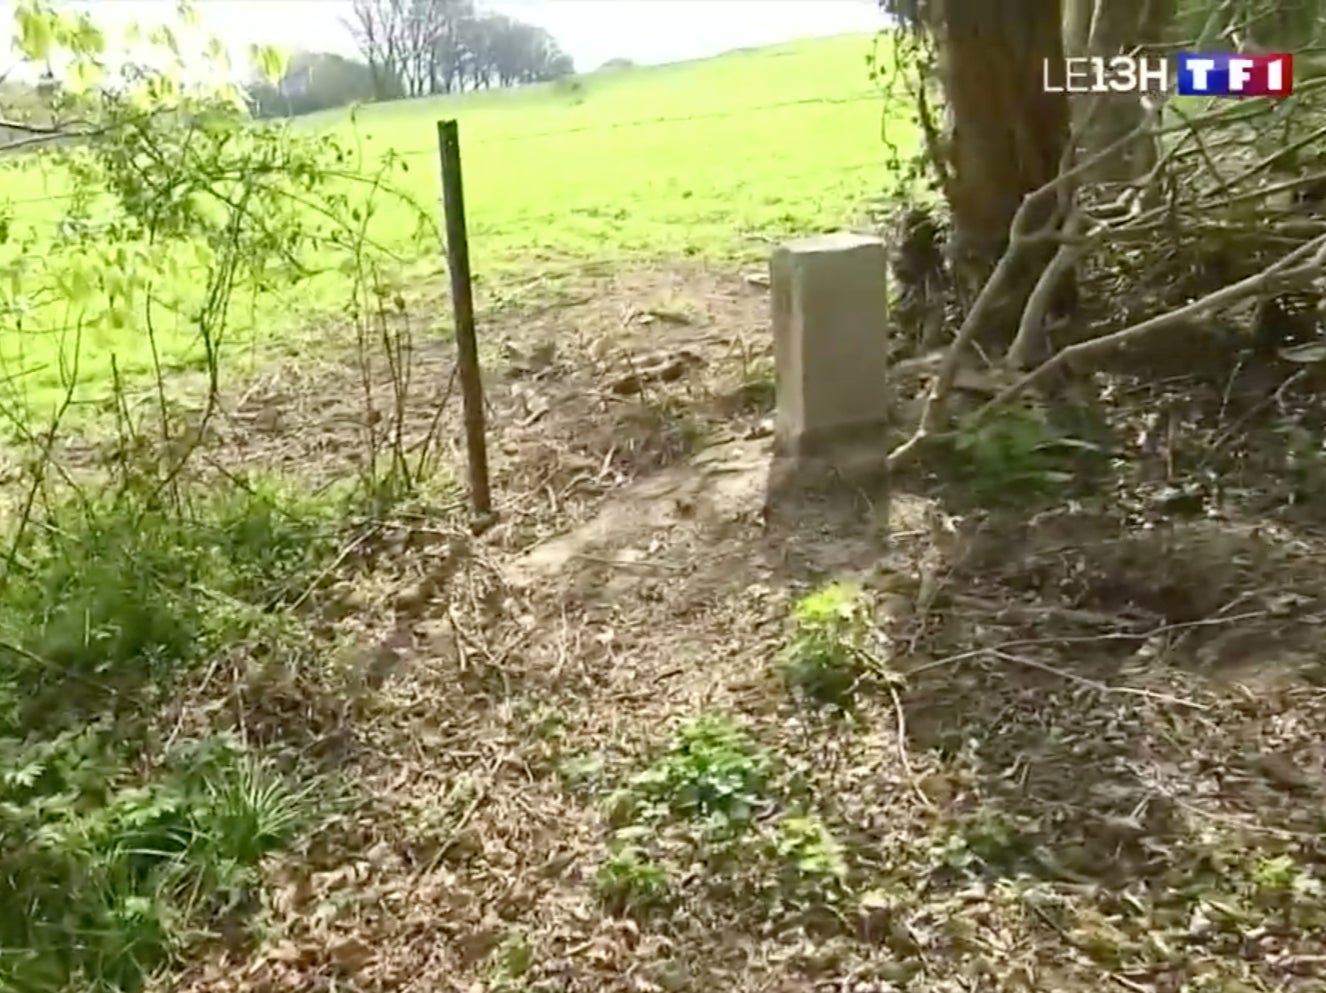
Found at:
<point>711,158</point>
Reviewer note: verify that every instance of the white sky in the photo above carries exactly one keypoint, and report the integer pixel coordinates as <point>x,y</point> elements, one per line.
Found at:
<point>592,31</point>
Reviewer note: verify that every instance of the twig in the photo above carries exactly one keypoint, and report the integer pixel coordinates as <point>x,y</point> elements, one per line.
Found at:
<point>1274,398</point>
<point>890,678</point>
<point>335,564</point>
<point>990,295</point>
<point>1028,612</point>
<point>1031,328</point>
<point>480,795</point>
<point>900,728</point>
<point>627,564</point>
<point>1238,822</point>
<point>1095,684</point>
<point>1083,639</point>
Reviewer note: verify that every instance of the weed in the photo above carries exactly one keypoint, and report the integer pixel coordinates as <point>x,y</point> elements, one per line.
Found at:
<point>825,661</point>
<point>106,603</point>
<point>581,772</point>
<point>629,880</point>
<point>1282,880</point>
<point>110,849</point>
<point>987,843</point>
<point>811,858</point>
<point>1012,456</point>
<point>711,773</point>
<point>126,863</point>
<point>511,962</point>
<point>712,776</point>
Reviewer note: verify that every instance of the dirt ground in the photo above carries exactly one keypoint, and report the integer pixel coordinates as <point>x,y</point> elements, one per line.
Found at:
<point>1100,765</point>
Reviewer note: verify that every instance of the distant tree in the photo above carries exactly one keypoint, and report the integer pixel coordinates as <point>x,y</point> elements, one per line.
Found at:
<point>615,64</point>
<point>507,52</point>
<point>443,46</point>
<point>378,32</point>
<point>318,81</point>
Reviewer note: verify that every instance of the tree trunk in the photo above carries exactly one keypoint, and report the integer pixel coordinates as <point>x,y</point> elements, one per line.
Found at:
<point>1006,135</point>
<point>1122,26</point>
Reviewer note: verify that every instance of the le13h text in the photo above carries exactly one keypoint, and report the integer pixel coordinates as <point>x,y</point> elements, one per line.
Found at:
<point>1215,74</point>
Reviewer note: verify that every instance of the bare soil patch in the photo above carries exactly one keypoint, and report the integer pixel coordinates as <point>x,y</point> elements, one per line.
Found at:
<point>1101,768</point>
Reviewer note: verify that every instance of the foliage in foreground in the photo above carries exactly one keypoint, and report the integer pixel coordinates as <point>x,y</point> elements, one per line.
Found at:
<point>709,809</point>
<point>131,825</point>
<point>114,850</point>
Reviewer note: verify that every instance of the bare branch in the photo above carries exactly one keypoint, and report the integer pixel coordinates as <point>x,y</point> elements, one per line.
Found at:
<point>1288,272</point>
<point>987,299</point>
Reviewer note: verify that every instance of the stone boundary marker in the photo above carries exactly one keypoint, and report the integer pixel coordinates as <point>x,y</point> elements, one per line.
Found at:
<point>831,338</point>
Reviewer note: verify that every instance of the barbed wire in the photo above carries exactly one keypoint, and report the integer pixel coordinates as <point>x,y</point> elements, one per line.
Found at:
<point>482,142</point>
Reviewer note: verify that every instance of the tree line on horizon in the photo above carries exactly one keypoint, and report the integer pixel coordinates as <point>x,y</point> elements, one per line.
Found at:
<point>413,48</point>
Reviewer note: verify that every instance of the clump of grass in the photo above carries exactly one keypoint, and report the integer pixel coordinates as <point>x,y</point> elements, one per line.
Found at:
<point>629,881</point>
<point>1018,455</point>
<point>104,604</point>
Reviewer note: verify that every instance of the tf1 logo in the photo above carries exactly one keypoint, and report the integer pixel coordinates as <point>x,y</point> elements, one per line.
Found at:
<point>1220,75</point>
<point>1196,74</point>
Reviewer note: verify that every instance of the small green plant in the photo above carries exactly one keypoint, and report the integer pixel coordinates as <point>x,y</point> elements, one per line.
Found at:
<point>129,862</point>
<point>581,772</point>
<point>985,843</point>
<point>1010,456</point>
<point>1275,874</point>
<point>811,858</point>
<point>712,773</point>
<point>1283,880</point>
<point>511,963</point>
<point>1305,460</point>
<point>629,880</point>
<point>826,660</point>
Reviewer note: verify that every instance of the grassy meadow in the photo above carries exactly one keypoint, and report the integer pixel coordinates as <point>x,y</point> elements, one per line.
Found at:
<point>711,158</point>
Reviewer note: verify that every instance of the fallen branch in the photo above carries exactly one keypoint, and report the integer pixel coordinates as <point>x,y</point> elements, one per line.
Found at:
<point>1287,272</point>
<point>1031,328</point>
<point>1095,684</point>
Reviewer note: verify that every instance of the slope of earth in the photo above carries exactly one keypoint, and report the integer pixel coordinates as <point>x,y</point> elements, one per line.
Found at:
<point>579,765</point>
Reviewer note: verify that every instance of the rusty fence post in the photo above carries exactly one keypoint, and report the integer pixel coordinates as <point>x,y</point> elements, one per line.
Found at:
<point>462,303</point>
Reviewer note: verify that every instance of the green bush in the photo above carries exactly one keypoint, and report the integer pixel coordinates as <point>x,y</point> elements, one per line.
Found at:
<point>711,773</point>
<point>105,604</point>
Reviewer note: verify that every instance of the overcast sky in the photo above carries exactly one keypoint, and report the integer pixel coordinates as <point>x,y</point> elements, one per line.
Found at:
<point>592,31</point>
